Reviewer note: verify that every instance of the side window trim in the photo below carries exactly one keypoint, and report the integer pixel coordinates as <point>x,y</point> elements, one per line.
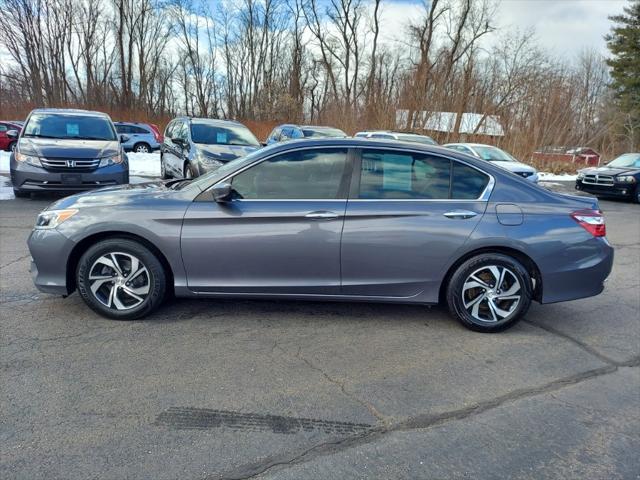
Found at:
<point>354,190</point>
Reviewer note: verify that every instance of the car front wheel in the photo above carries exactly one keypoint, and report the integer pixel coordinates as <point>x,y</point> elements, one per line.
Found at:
<point>489,292</point>
<point>121,279</point>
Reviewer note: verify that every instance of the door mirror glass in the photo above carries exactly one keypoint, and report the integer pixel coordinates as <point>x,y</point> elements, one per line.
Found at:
<point>221,192</point>
<point>12,133</point>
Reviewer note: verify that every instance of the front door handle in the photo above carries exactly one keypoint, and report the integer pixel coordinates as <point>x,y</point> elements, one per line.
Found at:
<point>460,214</point>
<point>322,215</point>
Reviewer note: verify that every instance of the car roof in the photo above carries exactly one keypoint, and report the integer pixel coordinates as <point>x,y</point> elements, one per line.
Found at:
<point>211,121</point>
<point>469,144</point>
<point>70,111</point>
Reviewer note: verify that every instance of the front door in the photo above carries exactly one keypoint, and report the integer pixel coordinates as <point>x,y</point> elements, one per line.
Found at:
<point>407,216</point>
<point>279,234</point>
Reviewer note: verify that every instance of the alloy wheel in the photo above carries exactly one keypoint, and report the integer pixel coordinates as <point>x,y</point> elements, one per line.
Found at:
<point>142,149</point>
<point>491,293</point>
<point>119,280</point>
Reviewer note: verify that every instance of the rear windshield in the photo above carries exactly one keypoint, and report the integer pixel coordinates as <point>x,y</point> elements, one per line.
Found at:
<point>80,127</point>
<point>322,132</point>
<point>209,134</point>
<point>494,154</point>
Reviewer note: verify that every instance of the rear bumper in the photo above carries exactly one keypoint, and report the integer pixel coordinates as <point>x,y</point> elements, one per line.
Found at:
<point>50,252</point>
<point>619,190</point>
<point>580,279</point>
<point>29,178</point>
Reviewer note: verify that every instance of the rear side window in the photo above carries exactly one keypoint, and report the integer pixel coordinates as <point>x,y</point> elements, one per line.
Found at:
<point>468,183</point>
<point>139,130</point>
<point>405,175</point>
<point>3,127</point>
<point>303,174</point>
<point>401,175</point>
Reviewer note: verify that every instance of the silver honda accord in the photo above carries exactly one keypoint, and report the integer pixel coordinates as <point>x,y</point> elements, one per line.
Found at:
<point>329,219</point>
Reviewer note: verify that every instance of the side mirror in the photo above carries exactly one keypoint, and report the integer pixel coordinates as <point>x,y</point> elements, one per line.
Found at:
<point>222,192</point>
<point>13,134</point>
<point>124,138</point>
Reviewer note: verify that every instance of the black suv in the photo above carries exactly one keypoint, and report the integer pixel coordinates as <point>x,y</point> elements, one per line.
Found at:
<point>194,146</point>
<point>618,178</point>
<point>67,150</point>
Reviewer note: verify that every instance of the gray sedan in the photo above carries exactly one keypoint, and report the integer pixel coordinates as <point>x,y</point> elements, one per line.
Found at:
<point>334,219</point>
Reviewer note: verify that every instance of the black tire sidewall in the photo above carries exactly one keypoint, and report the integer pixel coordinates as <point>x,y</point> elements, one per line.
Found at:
<point>135,147</point>
<point>157,278</point>
<point>454,291</point>
<point>163,169</point>
<point>187,166</point>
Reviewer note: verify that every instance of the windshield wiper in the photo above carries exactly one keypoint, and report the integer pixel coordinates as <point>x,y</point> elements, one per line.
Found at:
<point>37,135</point>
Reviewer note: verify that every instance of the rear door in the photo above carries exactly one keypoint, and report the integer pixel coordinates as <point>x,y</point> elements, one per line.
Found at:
<point>407,215</point>
<point>281,232</point>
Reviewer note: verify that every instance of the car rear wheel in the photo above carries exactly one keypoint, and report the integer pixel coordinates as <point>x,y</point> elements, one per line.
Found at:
<point>141,148</point>
<point>489,292</point>
<point>121,279</point>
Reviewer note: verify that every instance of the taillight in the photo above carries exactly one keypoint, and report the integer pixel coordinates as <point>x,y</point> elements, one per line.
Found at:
<point>592,221</point>
<point>156,132</point>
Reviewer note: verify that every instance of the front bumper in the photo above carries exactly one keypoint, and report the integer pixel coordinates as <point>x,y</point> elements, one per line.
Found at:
<point>30,178</point>
<point>619,190</point>
<point>50,252</point>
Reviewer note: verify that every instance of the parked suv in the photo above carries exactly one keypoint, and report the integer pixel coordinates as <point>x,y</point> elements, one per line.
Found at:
<point>194,146</point>
<point>9,132</point>
<point>498,157</point>
<point>282,133</point>
<point>142,137</point>
<point>403,137</point>
<point>67,150</point>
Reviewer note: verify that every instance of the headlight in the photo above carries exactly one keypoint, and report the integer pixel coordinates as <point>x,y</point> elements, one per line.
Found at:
<point>580,175</point>
<point>29,159</point>
<point>625,179</point>
<point>53,218</point>
<point>210,162</point>
<point>113,160</point>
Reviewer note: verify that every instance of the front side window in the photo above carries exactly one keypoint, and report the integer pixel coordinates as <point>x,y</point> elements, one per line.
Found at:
<point>397,175</point>
<point>303,174</point>
<point>77,127</point>
<point>212,134</point>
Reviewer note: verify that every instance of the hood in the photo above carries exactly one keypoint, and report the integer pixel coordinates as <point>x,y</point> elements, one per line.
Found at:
<point>613,171</point>
<point>514,166</point>
<point>68,148</point>
<point>117,195</point>
<point>226,153</point>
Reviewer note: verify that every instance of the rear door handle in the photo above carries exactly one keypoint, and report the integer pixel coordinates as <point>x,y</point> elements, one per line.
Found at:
<point>460,214</point>
<point>322,215</point>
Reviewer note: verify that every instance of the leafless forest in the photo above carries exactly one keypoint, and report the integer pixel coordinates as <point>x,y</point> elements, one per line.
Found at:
<point>268,61</point>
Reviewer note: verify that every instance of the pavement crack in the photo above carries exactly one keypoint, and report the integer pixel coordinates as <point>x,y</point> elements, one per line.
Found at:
<point>341,384</point>
<point>419,422</point>
<point>584,346</point>
<point>15,261</point>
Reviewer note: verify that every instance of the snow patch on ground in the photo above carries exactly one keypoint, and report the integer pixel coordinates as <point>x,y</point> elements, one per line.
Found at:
<point>4,161</point>
<point>552,177</point>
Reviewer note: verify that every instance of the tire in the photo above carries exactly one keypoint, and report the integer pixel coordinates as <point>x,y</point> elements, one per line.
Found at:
<point>111,298</point>
<point>163,170</point>
<point>636,198</point>
<point>142,148</point>
<point>21,193</point>
<point>187,171</point>
<point>481,308</point>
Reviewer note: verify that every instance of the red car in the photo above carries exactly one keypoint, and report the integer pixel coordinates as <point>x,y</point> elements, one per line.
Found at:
<point>8,143</point>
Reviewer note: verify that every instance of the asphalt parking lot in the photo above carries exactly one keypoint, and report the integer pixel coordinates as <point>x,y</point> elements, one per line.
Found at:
<point>287,390</point>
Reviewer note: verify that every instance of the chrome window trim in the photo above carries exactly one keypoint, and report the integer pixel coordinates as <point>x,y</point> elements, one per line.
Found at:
<point>484,197</point>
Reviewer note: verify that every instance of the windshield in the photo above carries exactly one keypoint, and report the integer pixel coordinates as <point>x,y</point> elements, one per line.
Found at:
<point>626,160</point>
<point>417,139</point>
<point>322,132</point>
<point>69,126</point>
<point>203,181</point>
<point>210,134</point>
<point>494,154</point>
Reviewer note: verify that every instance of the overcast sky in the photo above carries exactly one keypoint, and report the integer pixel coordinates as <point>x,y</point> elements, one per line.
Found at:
<point>564,27</point>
